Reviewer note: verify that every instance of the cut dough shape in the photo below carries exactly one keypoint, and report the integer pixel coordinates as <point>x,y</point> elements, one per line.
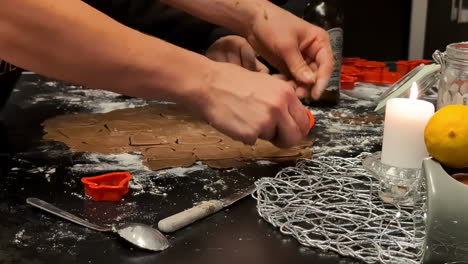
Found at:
<point>207,152</point>
<point>176,116</point>
<point>216,153</point>
<point>148,139</point>
<point>161,151</point>
<point>171,155</point>
<point>82,131</point>
<point>268,150</point>
<point>126,125</point>
<point>107,142</point>
<point>184,148</point>
<point>64,122</point>
<point>224,163</point>
<point>198,140</point>
<point>169,163</point>
<point>306,153</point>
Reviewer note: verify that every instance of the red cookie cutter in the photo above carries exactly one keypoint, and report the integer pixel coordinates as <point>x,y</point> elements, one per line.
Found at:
<point>360,70</point>
<point>311,119</point>
<point>347,82</point>
<point>370,66</point>
<point>107,187</point>
<point>406,66</point>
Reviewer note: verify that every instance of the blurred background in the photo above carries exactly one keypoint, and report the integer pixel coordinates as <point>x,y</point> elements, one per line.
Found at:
<point>375,30</point>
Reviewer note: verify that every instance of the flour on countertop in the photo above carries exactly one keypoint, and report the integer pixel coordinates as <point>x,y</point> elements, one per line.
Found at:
<point>19,237</point>
<point>182,172</point>
<point>142,178</point>
<point>336,136</point>
<point>216,186</point>
<point>46,171</point>
<point>336,133</point>
<point>54,239</point>
<point>264,162</point>
<point>94,162</point>
<point>92,100</point>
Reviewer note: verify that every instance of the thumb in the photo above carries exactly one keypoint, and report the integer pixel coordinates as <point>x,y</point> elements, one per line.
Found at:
<point>298,67</point>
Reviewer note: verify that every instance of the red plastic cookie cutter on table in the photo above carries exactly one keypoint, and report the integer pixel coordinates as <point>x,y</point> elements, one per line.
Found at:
<point>107,187</point>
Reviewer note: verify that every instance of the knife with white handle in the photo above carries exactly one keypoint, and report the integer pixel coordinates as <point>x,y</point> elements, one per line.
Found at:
<point>201,210</point>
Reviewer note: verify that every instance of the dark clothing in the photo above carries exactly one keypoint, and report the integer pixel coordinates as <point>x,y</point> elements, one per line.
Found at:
<point>9,74</point>
<point>177,27</point>
<point>160,20</point>
<point>148,16</point>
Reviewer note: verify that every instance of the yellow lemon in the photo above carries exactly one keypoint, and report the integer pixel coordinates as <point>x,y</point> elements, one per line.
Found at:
<point>446,136</point>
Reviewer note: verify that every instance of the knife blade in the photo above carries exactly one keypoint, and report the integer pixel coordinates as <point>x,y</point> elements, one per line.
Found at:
<point>201,210</point>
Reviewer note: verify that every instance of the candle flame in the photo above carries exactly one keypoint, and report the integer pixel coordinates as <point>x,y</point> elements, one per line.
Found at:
<point>414,91</point>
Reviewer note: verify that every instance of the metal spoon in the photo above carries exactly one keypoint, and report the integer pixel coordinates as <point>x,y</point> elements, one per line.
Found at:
<point>140,235</point>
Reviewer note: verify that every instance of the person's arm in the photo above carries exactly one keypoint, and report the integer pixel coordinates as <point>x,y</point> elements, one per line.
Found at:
<point>70,40</point>
<point>290,44</point>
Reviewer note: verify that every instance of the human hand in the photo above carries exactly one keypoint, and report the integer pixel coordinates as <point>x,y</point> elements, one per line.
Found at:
<point>236,50</point>
<point>248,105</point>
<point>295,47</point>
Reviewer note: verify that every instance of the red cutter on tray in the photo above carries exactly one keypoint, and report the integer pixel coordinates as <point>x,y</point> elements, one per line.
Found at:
<point>107,187</point>
<point>361,70</point>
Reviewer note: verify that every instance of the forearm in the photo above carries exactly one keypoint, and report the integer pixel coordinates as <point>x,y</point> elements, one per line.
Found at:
<point>237,15</point>
<point>70,40</point>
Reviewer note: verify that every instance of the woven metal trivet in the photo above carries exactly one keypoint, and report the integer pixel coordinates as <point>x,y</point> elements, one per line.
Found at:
<point>332,203</point>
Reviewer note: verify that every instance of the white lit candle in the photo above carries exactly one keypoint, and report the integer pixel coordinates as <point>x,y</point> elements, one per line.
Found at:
<point>403,140</point>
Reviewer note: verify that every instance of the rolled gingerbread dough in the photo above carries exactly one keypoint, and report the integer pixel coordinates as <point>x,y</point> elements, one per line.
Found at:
<point>167,136</point>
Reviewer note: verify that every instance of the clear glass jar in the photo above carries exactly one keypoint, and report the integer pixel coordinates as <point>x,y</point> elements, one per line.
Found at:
<point>453,84</point>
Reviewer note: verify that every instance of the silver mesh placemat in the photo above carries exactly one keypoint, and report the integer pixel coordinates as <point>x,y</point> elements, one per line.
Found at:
<point>332,203</point>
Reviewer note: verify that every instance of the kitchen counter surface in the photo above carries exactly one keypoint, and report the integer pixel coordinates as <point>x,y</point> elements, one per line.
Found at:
<point>31,167</point>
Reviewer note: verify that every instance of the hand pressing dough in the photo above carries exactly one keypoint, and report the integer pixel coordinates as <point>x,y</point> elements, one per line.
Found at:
<point>166,135</point>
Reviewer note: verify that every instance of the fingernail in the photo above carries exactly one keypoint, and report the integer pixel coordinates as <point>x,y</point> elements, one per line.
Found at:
<point>309,75</point>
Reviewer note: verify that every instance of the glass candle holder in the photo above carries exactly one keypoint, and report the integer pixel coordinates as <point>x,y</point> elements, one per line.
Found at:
<point>396,185</point>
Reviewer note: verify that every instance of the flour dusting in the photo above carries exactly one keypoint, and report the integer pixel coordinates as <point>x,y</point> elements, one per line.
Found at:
<point>75,96</point>
<point>183,172</point>
<point>94,162</point>
<point>142,177</point>
<point>55,240</point>
<point>265,162</point>
<point>19,238</point>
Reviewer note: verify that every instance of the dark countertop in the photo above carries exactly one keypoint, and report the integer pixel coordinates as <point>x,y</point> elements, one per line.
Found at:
<point>31,167</point>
